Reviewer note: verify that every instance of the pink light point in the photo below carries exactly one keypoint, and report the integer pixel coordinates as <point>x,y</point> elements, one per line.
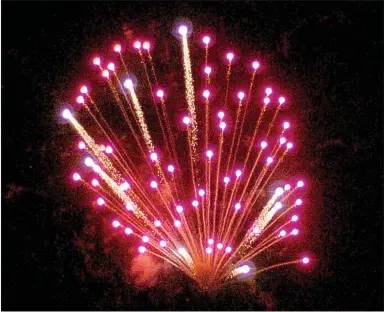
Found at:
<point>183,30</point>
<point>186,120</point>
<point>209,154</point>
<point>160,93</point>
<point>117,48</point>
<point>294,218</point>
<point>177,223</point>
<point>128,84</point>
<point>228,249</point>
<point>268,91</point>
<point>282,233</point>
<point>269,160</point>
<point>154,184</point>
<point>240,95</point>
<point>220,115</point>
<point>206,94</point>
<point>230,56</point>
<point>89,162</point>
<point>266,100</point>
<point>142,249</point>
<point>263,145</point>
<point>128,231</point>
<point>83,90</point>
<point>115,223</point>
<point>289,145</point>
<point>111,66</point>
<point>145,239</point>
<point>210,241</point>
<point>105,73</point>
<point>222,125</point>
<point>286,125</point>
<point>95,183</point>
<point>96,61</point>
<point>281,100</point>
<point>295,232</point>
<point>124,186</point>
<point>237,206</point>
<point>137,45</point>
<point>300,184</point>
<point>279,191</point>
<point>96,168</point>
<point>154,156</point>
<point>163,243</point>
<point>238,173</point>
<point>207,70</point>
<point>255,65</point>
<point>80,99</point>
<point>305,260</point>
<point>287,187</point>
<point>208,250</point>
<point>108,150</point>
<point>201,193</point>
<point>220,246</point>
<point>157,223</point>
<point>76,177</point>
<point>81,145</point>
<point>179,209</point>
<point>195,203</point>
<point>129,206</point>
<point>100,201</point>
<point>298,202</point>
<point>282,140</point>
<point>146,45</point>
<point>226,180</point>
<point>278,205</point>
<point>171,168</point>
<point>206,40</point>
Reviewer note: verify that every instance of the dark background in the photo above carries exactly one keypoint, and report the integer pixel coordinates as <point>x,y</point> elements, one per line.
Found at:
<point>334,52</point>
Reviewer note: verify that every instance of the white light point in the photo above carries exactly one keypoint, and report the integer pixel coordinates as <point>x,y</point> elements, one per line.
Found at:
<point>298,202</point>
<point>201,193</point>
<point>128,84</point>
<point>183,30</point>
<point>179,209</point>
<point>289,145</point>
<point>240,95</point>
<point>171,168</point>
<point>255,65</point>
<point>146,45</point>
<point>117,48</point>
<point>208,250</point>
<point>81,145</point>
<point>128,231</point>
<point>142,249</point>
<point>207,70</point>
<point>154,184</point>
<point>206,94</point>
<point>160,93</point>
<point>95,183</point>
<point>76,177</point>
<point>286,125</point>
<point>287,187</point>
<point>66,113</point>
<point>266,100</point>
<point>80,99</point>
<point>137,44</point>
<point>111,66</point>
<point>89,162</point>
<point>305,260</point>
<point>300,184</point>
<point>295,232</point>
<point>115,224</point>
<point>256,230</point>
<point>294,218</point>
<point>209,154</point>
<point>226,180</point>
<point>230,56</point>
<point>220,246</point>
<point>96,168</point>
<point>154,156</point>
<point>186,120</point>
<point>228,249</point>
<point>220,115</point>
<point>238,173</point>
<point>206,40</point>
<point>145,239</point>
<point>282,233</point>
<point>281,100</point>
<point>268,91</point>
<point>108,150</point>
<point>129,206</point>
<point>269,160</point>
<point>222,125</point>
<point>177,223</point>
<point>84,90</point>
<point>124,186</point>
<point>105,73</point>
<point>163,243</point>
<point>157,223</point>
<point>210,241</point>
<point>96,61</point>
<point>195,203</point>
<point>279,191</point>
<point>237,206</point>
<point>263,145</point>
<point>278,205</point>
<point>244,269</point>
<point>282,140</point>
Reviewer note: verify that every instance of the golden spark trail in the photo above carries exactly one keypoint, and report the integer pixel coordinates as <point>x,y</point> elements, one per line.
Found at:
<point>228,78</point>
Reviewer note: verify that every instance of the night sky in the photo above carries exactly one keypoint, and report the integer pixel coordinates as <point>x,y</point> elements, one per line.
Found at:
<point>331,52</point>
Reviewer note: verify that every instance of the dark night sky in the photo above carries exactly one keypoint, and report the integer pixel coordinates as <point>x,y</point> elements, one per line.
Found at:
<point>334,51</point>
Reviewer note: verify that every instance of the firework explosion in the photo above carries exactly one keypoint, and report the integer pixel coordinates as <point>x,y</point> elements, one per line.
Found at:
<point>191,192</point>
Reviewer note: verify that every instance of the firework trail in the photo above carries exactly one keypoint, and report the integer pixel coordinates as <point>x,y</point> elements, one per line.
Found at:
<point>198,202</point>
